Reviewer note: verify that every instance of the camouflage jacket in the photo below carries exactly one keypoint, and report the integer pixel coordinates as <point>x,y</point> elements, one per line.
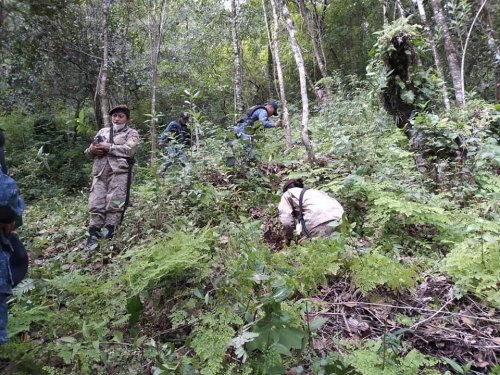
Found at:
<point>123,147</point>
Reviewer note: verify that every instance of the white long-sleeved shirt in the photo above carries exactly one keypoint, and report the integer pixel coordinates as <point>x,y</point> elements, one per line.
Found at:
<point>317,207</point>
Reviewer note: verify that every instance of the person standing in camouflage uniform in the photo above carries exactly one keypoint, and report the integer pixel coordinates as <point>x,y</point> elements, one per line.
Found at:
<point>112,151</point>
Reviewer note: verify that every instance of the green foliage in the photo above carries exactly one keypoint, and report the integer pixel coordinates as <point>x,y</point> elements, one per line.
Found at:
<point>169,257</point>
<point>192,285</point>
<point>379,69</point>
<point>368,362</point>
<point>374,270</point>
<point>462,370</point>
<point>45,154</point>
<point>474,264</point>
<point>315,263</point>
<point>210,345</point>
<point>212,337</point>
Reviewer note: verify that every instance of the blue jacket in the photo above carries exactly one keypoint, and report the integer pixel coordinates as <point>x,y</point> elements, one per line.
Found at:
<point>179,132</point>
<point>258,112</point>
<point>13,262</point>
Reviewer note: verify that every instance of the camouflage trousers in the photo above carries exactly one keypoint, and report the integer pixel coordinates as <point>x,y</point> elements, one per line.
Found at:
<point>322,230</point>
<point>107,197</point>
<point>173,152</point>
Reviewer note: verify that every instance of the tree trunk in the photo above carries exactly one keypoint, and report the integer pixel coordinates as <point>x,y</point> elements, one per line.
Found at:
<point>493,46</point>
<point>154,79</point>
<point>303,83</point>
<point>156,28</point>
<point>103,76</point>
<point>238,101</point>
<point>437,58</point>
<point>271,69</point>
<point>400,8</point>
<point>384,12</point>
<point>318,24</point>
<point>281,80</point>
<point>462,65</point>
<point>451,54</point>
<point>314,37</point>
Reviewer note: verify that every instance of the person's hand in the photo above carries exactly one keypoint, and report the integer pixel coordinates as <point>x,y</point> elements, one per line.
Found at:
<point>104,146</point>
<point>98,149</point>
<point>278,123</point>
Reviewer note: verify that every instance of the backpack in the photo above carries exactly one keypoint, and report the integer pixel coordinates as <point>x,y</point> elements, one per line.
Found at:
<point>247,116</point>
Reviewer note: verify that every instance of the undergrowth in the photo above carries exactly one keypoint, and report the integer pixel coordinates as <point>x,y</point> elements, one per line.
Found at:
<point>191,285</point>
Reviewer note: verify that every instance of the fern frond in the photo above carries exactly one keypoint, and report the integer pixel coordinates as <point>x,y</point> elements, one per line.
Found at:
<point>24,287</point>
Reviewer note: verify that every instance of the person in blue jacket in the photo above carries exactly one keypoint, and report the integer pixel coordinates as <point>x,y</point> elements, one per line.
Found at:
<point>260,113</point>
<point>13,256</point>
<point>175,139</point>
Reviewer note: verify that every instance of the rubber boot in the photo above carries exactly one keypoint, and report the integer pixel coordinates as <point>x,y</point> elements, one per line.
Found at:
<point>110,231</point>
<point>94,235</point>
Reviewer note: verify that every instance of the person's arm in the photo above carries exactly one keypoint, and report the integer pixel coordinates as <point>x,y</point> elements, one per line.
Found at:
<point>285,212</point>
<point>92,151</point>
<point>264,118</point>
<point>172,132</point>
<point>128,149</point>
<point>163,136</point>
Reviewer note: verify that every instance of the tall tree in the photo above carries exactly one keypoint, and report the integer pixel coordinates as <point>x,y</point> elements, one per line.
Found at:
<point>384,12</point>
<point>318,14</point>
<point>435,54</point>
<point>157,18</point>
<point>102,108</point>
<point>279,71</point>
<point>271,70</point>
<point>297,54</point>
<point>493,45</point>
<point>313,33</point>
<point>451,53</point>
<point>400,7</point>
<point>465,48</point>
<point>238,100</point>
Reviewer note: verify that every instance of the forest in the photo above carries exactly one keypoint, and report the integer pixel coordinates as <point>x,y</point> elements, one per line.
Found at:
<point>392,107</point>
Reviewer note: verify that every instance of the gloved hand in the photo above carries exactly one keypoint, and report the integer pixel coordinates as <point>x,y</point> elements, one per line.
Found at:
<point>278,123</point>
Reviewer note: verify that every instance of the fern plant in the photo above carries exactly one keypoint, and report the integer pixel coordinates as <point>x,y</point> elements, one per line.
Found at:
<point>474,265</point>
<point>375,270</point>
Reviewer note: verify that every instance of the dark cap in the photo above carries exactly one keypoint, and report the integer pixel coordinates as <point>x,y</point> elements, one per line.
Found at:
<point>184,115</point>
<point>122,108</point>
<point>274,104</point>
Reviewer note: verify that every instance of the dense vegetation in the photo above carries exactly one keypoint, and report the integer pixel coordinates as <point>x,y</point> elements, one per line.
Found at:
<point>198,279</point>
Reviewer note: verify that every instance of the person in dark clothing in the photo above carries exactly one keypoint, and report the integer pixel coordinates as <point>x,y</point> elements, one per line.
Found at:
<point>256,113</point>
<point>13,256</point>
<point>175,139</point>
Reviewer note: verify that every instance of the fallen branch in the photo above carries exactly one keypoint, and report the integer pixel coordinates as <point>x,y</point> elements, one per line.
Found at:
<point>354,304</point>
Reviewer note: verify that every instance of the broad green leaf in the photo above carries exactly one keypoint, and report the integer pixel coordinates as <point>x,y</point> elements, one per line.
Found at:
<point>317,322</point>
